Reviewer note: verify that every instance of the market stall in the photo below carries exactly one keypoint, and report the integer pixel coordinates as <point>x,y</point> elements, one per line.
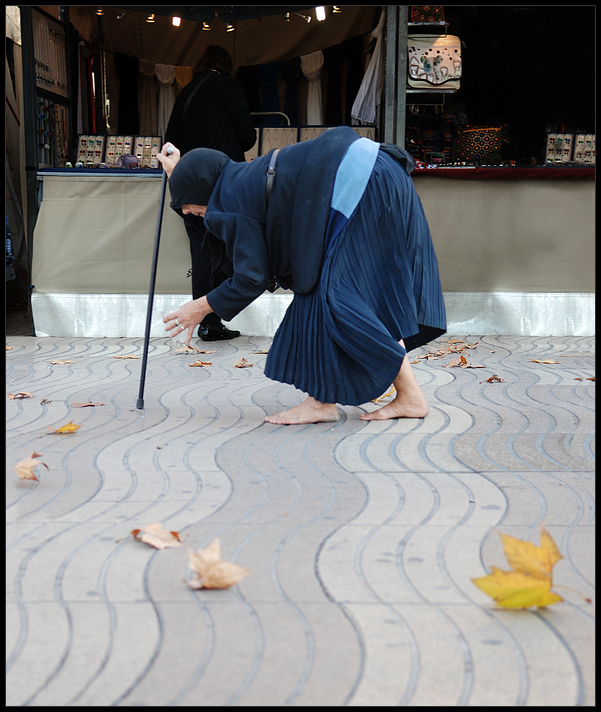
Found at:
<point>502,190</point>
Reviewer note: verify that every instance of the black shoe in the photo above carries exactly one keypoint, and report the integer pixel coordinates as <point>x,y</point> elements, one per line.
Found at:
<point>216,332</point>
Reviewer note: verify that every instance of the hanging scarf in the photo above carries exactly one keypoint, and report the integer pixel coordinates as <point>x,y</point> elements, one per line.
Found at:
<point>332,60</point>
<point>311,65</point>
<point>165,73</point>
<point>269,80</point>
<point>291,73</point>
<point>148,99</point>
<point>368,97</point>
<point>128,72</point>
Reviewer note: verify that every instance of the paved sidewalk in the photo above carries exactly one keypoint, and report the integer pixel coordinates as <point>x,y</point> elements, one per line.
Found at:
<point>361,537</point>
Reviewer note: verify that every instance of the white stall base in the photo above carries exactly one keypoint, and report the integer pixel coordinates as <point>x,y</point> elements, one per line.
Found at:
<point>494,313</point>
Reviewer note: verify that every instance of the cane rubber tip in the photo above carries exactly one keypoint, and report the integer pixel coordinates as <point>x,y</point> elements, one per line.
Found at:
<point>140,404</point>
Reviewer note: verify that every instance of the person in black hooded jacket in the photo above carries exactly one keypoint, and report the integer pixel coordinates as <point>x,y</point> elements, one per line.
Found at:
<point>210,112</point>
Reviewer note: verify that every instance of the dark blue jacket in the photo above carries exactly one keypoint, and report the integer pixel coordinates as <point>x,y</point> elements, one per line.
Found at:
<point>285,242</point>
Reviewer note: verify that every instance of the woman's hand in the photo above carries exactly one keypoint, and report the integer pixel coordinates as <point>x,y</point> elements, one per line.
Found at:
<point>169,161</point>
<point>188,317</point>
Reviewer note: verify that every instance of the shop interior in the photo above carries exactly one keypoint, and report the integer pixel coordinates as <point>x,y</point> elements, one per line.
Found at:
<point>99,72</point>
<point>514,77</point>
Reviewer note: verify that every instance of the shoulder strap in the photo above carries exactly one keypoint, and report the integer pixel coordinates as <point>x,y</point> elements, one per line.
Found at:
<point>196,88</point>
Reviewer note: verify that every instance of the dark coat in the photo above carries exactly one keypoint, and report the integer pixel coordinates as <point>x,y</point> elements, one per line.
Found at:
<point>217,117</point>
<point>286,242</point>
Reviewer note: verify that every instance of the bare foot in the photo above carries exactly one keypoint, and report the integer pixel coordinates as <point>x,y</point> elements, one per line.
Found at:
<point>413,405</point>
<point>309,411</point>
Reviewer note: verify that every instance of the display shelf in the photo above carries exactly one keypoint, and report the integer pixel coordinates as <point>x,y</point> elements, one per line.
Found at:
<point>428,28</point>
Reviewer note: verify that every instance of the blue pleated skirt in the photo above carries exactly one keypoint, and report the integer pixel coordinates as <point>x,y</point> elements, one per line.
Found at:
<point>379,283</point>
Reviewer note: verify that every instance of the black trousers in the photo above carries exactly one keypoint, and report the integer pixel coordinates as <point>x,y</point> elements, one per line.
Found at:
<point>202,283</point>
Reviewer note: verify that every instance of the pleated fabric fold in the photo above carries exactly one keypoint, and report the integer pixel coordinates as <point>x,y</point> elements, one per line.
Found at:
<point>379,284</point>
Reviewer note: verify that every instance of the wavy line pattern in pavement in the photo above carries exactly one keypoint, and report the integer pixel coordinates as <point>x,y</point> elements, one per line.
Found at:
<point>361,537</point>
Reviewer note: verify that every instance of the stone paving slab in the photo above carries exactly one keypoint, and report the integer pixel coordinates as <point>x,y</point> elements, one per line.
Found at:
<point>361,537</point>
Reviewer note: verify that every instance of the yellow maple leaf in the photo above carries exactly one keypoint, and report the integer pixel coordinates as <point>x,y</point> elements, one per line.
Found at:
<point>156,536</point>
<point>529,583</point>
<point>211,571</point>
<point>68,428</point>
<point>24,468</point>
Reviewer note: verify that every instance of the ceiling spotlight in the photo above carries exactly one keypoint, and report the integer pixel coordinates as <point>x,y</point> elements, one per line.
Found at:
<point>320,13</point>
<point>286,17</point>
<point>306,18</point>
<point>99,11</point>
<point>176,21</point>
<point>336,10</point>
<point>229,27</point>
<point>122,14</point>
<point>206,26</point>
<point>150,18</point>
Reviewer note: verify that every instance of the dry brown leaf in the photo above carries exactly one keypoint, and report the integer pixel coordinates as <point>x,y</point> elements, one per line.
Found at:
<point>548,361</point>
<point>24,468</point>
<point>456,362</point>
<point>156,536</point>
<point>128,356</point>
<point>61,363</point>
<point>8,348</point>
<point>18,396</point>
<point>211,571</point>
<point>191,350</point>
<point>84,405</point>
<point>494,379</point>
<point>68,428</point>
<point>200,363</point>
<point>45,401</point>
<point>242,363</point>
<point>265,351</point>
<point>390,392</point>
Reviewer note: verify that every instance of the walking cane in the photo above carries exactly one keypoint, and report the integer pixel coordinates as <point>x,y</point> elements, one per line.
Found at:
<point>153,276</point>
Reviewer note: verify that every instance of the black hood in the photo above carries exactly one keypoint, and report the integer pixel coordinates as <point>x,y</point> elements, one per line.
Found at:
<point>194,177</point>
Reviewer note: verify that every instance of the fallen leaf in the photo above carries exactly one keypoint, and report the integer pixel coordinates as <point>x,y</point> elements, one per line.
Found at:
<point>494,379</point>
<point>9,348</point>
<point>45,401</point>
<point>61,363</point>
<point>156,536</point>
<point>84,405</point>
<point>18,396</point>
<point>191,349</point>
<point>128,356</point>
<point>455,362</point>
<point>200,363</point>
<point>242,363</point>
<point>24,469</point>
<point>591,379</point>
<point>529,583</point>
<point>211,571</point>
<point>68,428</point>
<point>390,392</point>
<point>265,351</point>
<point>549,361</point>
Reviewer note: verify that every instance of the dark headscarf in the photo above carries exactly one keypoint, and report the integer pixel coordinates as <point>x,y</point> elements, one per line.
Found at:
<point>194,177</point>
<point>191,183</point>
